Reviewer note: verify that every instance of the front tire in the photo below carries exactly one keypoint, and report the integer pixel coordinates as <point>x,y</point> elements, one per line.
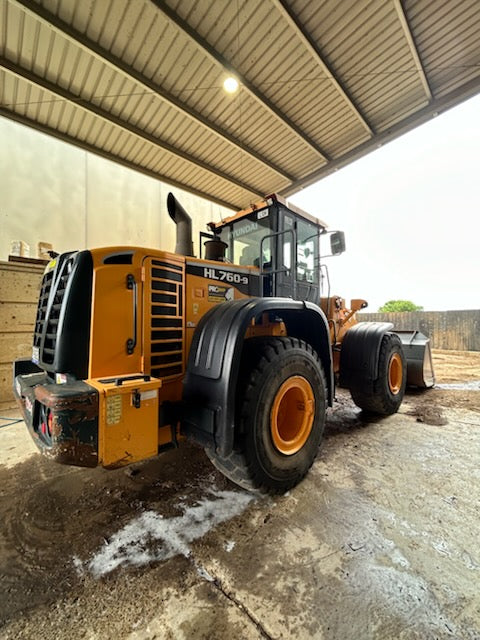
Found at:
<point>281,417</point>
<point>389,388</point>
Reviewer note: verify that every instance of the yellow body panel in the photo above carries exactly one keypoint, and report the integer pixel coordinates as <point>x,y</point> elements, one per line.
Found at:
<point>126,433</point>
<point>340,320</point>
<point>112,310</point>
<point>266,328</point>
<point>172,293</point>
<point>112,319</point>
<point>201,293</point>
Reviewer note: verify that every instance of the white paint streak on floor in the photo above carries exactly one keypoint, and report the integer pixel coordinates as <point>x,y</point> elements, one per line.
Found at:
<point>152,537</point>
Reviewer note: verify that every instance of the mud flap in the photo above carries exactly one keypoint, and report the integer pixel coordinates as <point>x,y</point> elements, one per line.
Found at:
<point>210,384</point>
<point>418,354</point>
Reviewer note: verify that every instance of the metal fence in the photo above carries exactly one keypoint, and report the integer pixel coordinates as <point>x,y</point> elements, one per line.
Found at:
<point>456,330</point>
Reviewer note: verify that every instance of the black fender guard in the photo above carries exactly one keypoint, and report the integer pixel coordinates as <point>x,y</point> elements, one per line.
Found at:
<point>360,352</point>
<point>208,414</point>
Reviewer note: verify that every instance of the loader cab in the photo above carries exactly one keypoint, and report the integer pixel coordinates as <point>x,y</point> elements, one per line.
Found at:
<point>282,242</point>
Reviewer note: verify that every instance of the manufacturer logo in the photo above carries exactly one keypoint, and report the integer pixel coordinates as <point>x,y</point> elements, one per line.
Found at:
<point>217,293</point>
<point>242,231</point>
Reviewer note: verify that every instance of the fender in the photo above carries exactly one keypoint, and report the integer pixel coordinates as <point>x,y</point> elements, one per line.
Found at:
<point>209,390</point>
<point>360,352</point>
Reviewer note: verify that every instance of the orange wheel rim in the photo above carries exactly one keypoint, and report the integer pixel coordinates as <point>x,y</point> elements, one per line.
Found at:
<point>292,414</point>
<point>395,373</point>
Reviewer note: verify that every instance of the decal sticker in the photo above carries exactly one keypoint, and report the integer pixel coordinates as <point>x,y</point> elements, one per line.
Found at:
<point>224,276</point>
<point>238,277</point>
<point>149,395</point>
<point>114,409</point>
<point>217,293</point>
<point>28,405</point>
<point>262,214</point>
<point>35,355</point>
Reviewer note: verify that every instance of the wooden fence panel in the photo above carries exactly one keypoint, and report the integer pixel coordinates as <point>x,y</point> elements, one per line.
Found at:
<point>455,330</point>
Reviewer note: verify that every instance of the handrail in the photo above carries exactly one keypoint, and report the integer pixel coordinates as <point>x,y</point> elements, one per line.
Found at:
<point>132,342</point>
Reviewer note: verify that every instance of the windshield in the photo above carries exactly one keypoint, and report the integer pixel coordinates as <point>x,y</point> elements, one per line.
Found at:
<point>244,238</point>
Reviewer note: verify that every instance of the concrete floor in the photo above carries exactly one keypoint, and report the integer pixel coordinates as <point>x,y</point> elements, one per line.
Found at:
<point>381,540</point>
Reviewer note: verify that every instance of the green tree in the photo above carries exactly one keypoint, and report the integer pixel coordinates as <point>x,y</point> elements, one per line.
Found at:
<point>399,305</point>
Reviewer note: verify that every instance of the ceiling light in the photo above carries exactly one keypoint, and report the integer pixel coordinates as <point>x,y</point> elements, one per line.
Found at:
<point>230,85</point>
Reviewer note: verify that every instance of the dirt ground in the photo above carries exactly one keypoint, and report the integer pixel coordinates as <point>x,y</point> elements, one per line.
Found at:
<point>381,540</point>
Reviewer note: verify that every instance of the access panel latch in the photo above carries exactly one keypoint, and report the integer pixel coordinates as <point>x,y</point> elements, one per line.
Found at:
<point>136,399</point>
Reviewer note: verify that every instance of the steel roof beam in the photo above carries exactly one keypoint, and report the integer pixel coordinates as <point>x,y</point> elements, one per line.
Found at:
<point>423,115</point>
<point>219,60</point>
<point>55,133</point>
<point>126,126</point>
<point>402,17</point>
<point>310,46</point>
<point>118,65</point>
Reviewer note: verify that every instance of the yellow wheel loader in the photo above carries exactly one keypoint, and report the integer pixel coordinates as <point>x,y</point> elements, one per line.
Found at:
<point>135,349</point>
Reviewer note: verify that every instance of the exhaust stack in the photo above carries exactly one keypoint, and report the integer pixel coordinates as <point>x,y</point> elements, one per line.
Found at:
<point>184,245</point>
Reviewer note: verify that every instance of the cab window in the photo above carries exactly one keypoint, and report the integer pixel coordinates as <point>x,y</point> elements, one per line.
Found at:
<point>244,239</point>
<point>307,248</point>
<point>307,252</point>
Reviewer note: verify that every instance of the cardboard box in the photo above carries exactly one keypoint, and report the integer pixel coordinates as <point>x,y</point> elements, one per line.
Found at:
<point>19,248</point>
<point>42,250</point>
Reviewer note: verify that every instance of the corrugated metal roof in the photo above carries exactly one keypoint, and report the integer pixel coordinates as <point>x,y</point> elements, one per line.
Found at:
<point>321,82</point>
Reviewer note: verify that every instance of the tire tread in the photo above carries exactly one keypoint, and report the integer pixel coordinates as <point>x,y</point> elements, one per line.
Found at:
<point>259,353</point>
<point>378,401</point>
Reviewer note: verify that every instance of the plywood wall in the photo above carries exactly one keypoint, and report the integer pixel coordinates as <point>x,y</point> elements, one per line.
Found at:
<point>19,288</point>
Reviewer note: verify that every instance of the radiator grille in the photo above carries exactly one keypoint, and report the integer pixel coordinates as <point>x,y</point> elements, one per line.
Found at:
<point>166,332</point>
<point>52,292</point>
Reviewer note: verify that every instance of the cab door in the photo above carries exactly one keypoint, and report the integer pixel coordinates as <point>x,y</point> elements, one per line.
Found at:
<point>298,271</point>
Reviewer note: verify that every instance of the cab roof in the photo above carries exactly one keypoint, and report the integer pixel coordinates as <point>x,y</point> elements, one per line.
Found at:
<point>262,204</point>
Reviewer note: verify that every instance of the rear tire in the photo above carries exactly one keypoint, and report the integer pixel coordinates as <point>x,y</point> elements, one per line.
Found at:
<point>281,417</point>
<point>389,388</point>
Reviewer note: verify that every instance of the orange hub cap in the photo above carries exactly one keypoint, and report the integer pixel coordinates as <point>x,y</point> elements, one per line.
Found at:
<point>395,373</point>
<point>291,418</point>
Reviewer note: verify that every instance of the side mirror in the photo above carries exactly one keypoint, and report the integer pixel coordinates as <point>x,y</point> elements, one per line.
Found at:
<point>337,242</point>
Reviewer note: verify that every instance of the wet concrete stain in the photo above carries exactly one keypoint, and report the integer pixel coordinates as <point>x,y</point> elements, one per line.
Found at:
<point>472,385</point>
<point>379,541</point>
<point>53,513</point>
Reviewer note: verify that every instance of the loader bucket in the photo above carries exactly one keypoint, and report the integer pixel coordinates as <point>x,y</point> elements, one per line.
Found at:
<point>418,354</point>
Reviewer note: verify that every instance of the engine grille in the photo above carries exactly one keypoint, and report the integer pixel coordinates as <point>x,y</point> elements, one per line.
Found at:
<point>52,293</point>
<point>166,318</point>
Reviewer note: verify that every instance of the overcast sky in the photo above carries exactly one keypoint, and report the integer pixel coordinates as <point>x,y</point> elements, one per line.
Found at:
<point>411,214</point>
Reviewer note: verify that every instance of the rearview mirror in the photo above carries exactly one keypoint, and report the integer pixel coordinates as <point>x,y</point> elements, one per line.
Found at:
<point>337,243</point>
